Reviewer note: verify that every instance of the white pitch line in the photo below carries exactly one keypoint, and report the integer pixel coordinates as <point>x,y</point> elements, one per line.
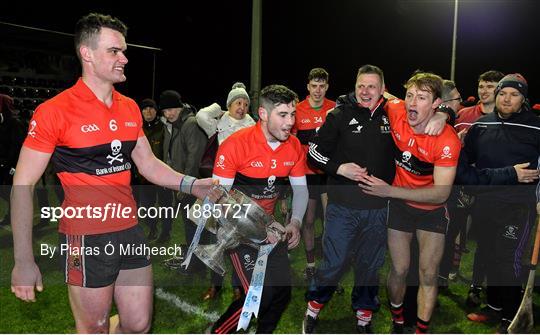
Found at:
<point>184,306</point>
<point>190,309</point>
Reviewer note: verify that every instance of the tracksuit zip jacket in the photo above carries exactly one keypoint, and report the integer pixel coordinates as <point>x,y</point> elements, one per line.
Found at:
<point>352,133</point>
<point>494,146</point>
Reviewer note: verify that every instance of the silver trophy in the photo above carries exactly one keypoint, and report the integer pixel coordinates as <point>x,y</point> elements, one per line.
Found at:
<point>245,222</point>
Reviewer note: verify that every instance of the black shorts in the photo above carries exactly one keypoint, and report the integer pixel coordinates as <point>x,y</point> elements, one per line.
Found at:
<point>316,185</point>
<point>95,260</point>
<point>408,219</point>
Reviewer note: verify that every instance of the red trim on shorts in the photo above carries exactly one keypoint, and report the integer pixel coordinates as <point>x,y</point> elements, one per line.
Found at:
<point>240,270</point>
<point>75,263</point>
<point>230,323</point>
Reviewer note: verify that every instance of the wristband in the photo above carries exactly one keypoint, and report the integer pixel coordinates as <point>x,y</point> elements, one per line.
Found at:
<point>186,184</point>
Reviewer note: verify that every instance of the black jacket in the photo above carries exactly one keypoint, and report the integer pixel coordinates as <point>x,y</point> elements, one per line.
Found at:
<point>492,147</point>
<point>352,134</point>
<point>154,131</point>
<point>184,146</point>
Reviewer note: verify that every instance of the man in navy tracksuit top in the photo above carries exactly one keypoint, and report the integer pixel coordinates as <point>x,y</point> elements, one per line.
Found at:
<point>504,146</point>
<point>355,137</point>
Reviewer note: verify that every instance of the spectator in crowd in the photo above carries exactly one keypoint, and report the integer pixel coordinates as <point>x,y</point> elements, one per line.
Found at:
<point>507,142</point>
<point>149,194</point>
<point>487,82</point>
<point>459,204</point>
<point>183,147</point>
<point>218,125</point>
<point>213,120</point>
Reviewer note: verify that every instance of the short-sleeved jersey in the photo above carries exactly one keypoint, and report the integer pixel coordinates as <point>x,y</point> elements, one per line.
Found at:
<point>91,147</point>
<point>307,123</point>
<point>257,169</point>
<point>418,154</point>
<point>468,115</point>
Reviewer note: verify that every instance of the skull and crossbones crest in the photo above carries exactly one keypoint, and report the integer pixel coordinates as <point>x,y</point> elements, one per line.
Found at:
<point>446,152</point>
<point>406,156</point>
<point>221,162</point>
<point>249,263</point>
<point>271,188</point>
<point>116,146</point>
<point>511,232</point>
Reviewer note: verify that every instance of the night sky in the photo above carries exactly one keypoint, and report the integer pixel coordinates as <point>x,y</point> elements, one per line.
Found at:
<point>206,45</point>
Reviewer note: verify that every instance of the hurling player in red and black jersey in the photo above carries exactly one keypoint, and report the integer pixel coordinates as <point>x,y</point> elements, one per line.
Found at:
<point>310,116</point>
<point>257,160</point>
<point>93,135</point>
<point>425,172</point>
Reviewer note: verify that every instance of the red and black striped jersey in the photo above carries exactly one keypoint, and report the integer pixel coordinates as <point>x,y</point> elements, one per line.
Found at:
<point>418,154</point>
<point>257,169</point>
<point>91,147</point>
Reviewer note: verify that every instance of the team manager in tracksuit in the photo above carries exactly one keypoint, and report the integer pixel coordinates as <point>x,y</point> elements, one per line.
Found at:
<point>356,136</point>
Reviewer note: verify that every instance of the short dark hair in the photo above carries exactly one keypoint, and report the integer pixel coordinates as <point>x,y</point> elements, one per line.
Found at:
<point>89,26</point>
<point>274,95</point>
<point>371,69</point>
<point>448,86</point>
<point>491,75</point>
<point>426,81</point>
<point>318,74</point>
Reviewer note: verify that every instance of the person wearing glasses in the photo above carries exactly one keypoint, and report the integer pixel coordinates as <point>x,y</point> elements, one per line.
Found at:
<point>451,96</point>
<point>459,204</point>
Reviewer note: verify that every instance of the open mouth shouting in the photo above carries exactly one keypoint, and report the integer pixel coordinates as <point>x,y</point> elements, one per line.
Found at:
<point>412,114</point>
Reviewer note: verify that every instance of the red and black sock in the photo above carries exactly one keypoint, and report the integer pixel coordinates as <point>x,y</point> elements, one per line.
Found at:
<point>314,308</point>
<point>363,316</point>
<point>397,313</point>
<point>422,326</point>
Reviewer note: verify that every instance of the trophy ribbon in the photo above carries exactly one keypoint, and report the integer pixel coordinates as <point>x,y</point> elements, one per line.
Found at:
<point>254,294</point>
<point>201,222</point>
